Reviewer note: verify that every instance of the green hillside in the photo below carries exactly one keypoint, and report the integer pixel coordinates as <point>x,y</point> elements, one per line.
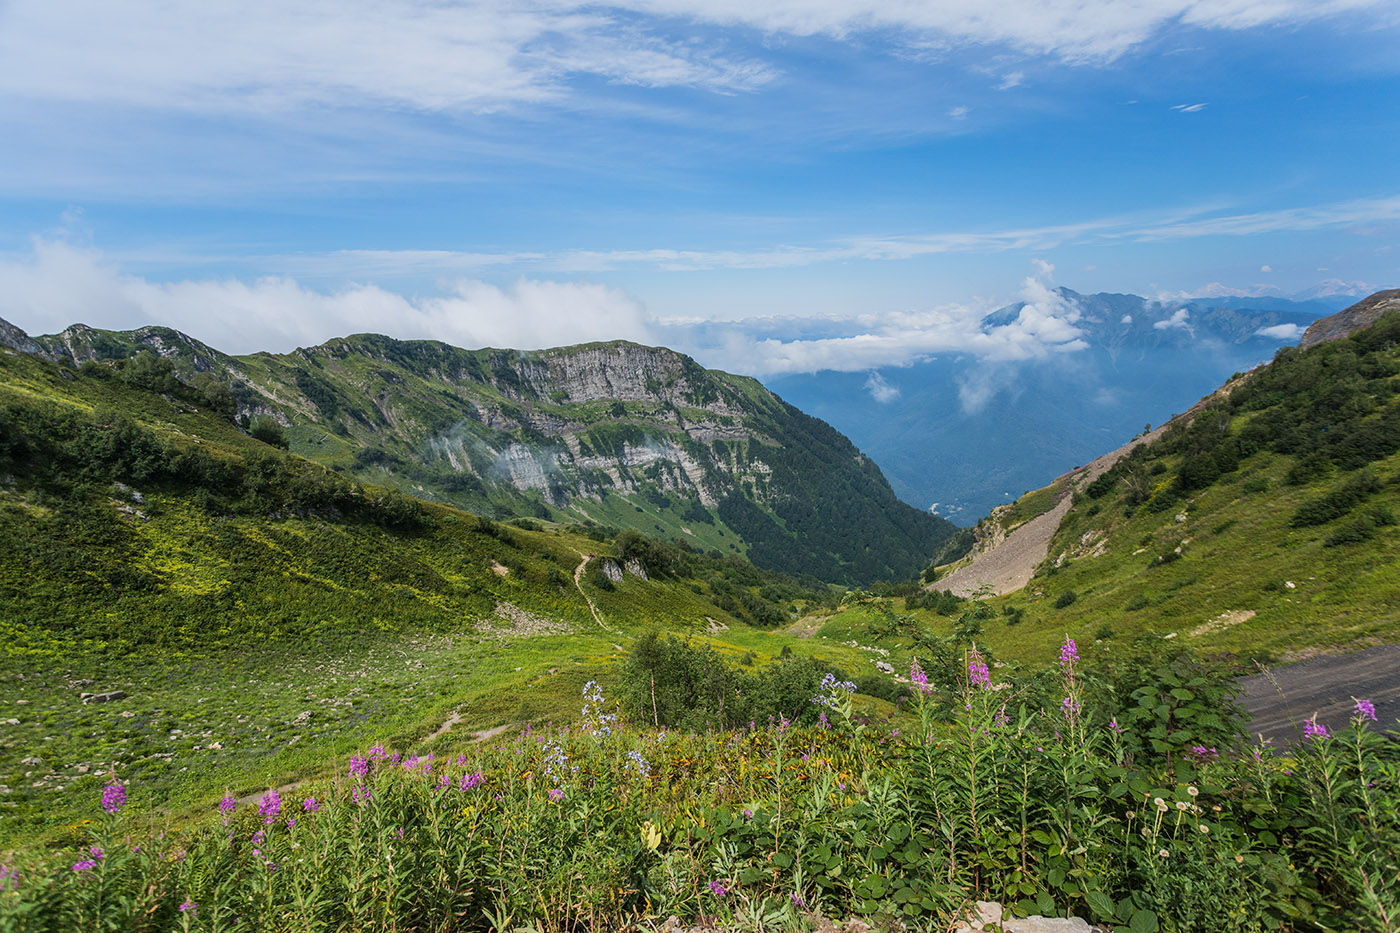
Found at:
<point>616,433</point>
<point>263,613</point>
<point>1264,522</point>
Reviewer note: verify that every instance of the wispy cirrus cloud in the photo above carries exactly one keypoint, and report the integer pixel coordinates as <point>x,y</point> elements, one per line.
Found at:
<point>262,55</point>
<point>1184,223</point>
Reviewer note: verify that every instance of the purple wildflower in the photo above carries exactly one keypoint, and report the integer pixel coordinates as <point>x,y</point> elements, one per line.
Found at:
<point>636,760</point>
<point>361,794</point>
<point>717,889</point>
<point>113,796</point>
<point>228,804</point>
<point>1113,724</point>
<point>470,781</point>
<point>919,678</point>
<point>96,853</point>
<point>359,767</point>
<point>557,794</point>
<point>1069,653</point>
<point>748,814</point>
<point>84,865</point>
<point>442,783</point>
<point>270,806</point>
<point>1201,755</point>
<point>1365,711</point>
<point>311,805</point>
<point>977,672</point>
<point>1070,706</point>
<point>1313,729</point>
<point>797,900</point>
<point>191,906</point>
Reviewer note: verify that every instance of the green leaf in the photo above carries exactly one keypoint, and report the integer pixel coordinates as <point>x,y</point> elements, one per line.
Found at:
<point>1101,904</point>
<point>1144,921</point>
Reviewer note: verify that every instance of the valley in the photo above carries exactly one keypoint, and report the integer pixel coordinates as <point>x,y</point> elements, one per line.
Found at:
<point>194,613</point>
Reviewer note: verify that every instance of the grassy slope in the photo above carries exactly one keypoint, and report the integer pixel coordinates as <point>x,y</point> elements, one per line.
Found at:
<point>240,624</point>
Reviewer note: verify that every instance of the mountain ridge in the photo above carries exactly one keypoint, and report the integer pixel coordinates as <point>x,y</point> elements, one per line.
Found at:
<point>612,432</point>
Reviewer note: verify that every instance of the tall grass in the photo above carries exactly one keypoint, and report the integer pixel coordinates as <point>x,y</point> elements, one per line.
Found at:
<point>601,826</point>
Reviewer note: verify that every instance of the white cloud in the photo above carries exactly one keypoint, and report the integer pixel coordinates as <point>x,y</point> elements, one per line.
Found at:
<point>1011,80</point>
<point>1266,268</point>
<point>59,284</point>
<point>265,55</point>
<point>1073,30</point>
<point>880,390</point>
<point>959,112</point>
<point>1189,108</point>
<point>1044,326</point>
<point>1178,321</point>
<point>1127,319</point>
<point>1281,332</point>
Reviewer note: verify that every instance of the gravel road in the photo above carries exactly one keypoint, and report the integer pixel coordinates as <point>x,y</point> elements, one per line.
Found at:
<point>1326,686</point>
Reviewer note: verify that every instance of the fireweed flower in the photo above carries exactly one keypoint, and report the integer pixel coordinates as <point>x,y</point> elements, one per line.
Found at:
<point>1365,711</point>
<point>270,806</point>
<point>361,795</point>
<point>311,805</point>
<point>1070,706</point>
<point>191,906</point>
<point>113,796</point>
<point>1113,724</point>
<point>918,678</point>
<point>359,767</point>
<point>1069,653</point>
<point>470,781</point>
<point>84,865</point>
<point>717,889</point>
<point>557,794</point>
<point>1313,729</point>
<point>1201,754</point>
<point>977,672</point>
<point>227,805</point>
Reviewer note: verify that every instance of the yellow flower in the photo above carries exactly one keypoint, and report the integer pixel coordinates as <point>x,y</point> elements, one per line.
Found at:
<point>651,836</point>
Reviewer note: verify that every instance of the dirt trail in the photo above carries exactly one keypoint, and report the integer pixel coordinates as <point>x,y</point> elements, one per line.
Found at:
<point>481,735</point>
<point>1008,566</point>
<point>578,577</point>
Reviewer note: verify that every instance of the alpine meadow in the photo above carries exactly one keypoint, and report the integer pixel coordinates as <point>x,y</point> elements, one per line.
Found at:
<point>668,467</point>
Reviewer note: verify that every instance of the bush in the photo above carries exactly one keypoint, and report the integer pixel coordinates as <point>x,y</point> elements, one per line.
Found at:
<point>268,431</point>
<point>1065,599</point>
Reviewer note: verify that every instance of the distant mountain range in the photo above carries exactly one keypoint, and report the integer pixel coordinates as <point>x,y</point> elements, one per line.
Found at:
<point>964,435</point>
<point>621,435</point>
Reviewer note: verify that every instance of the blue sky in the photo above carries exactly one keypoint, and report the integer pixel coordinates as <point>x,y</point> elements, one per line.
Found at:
<point>266,175</point>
